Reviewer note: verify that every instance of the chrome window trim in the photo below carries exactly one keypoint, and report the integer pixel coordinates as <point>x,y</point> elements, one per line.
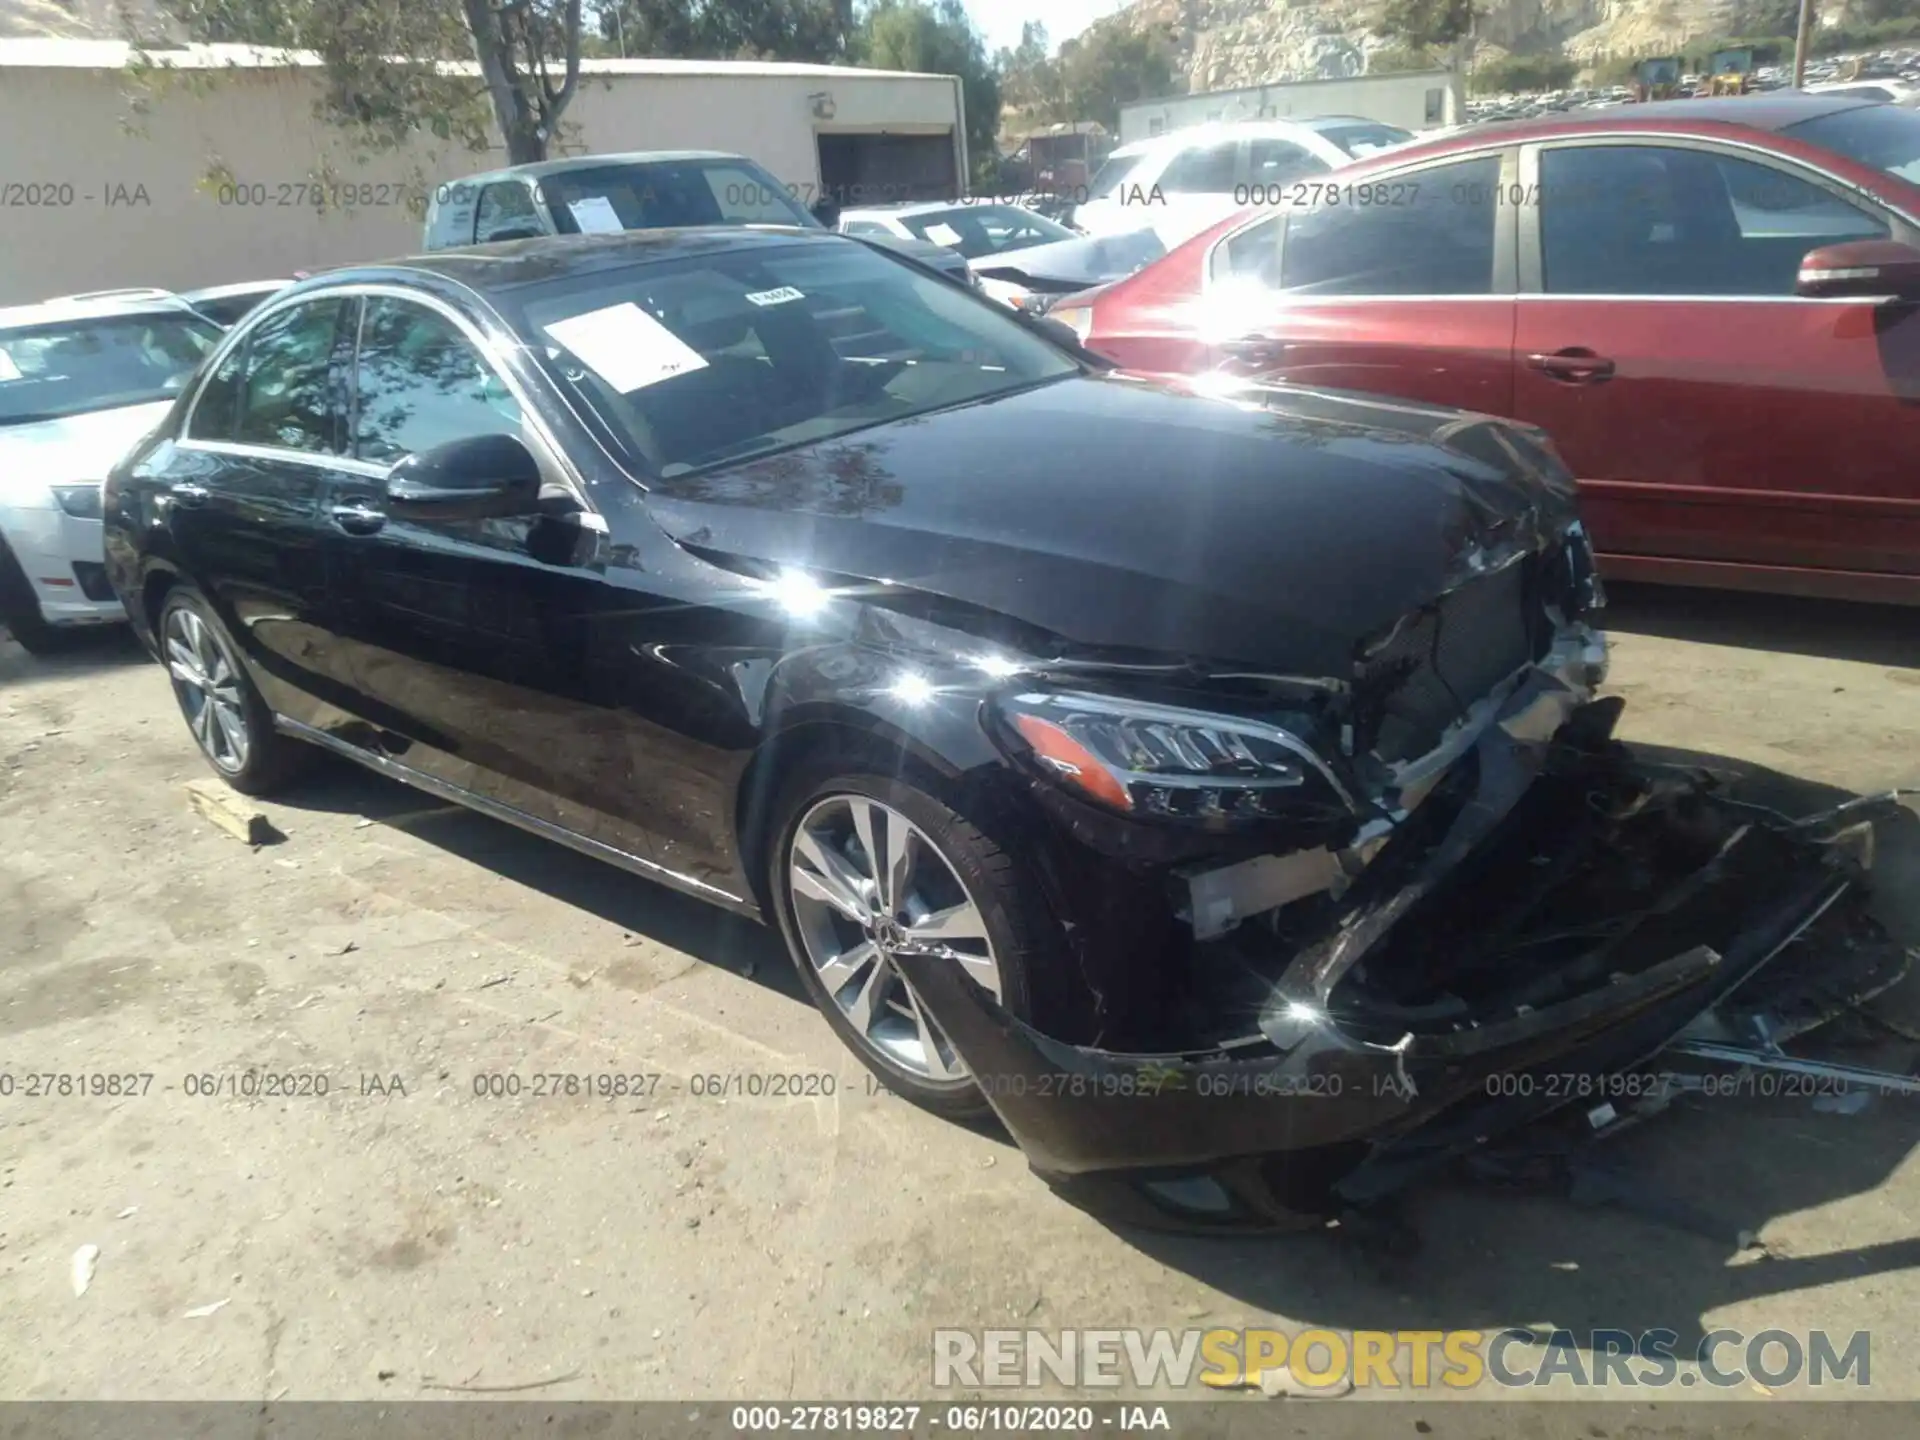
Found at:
<point>1532,254</point>
<point>530,417</point>
<point>317,459</point>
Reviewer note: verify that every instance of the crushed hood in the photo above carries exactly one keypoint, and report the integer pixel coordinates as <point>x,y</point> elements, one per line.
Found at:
<point>1275,530</point>
<point>1084,260</point>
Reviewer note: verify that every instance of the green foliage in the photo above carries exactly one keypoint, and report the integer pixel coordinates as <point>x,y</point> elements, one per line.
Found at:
<point>1392,58</point>
<point>1523,73</point>
<point>384,79</point>
<point>808,30</point>
<point>1091,77</point>
<point>1426,22</point>
<point>940,39</point>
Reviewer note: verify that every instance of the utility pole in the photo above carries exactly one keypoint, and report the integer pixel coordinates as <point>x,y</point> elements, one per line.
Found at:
<point>1800,42</point>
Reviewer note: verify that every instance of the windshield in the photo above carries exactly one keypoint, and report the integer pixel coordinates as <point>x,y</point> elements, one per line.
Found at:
<point>700,362</point>
<point>663,194</point>
<point>75,366</point>
<point>1360,137</point>
<point>977,230</point>
<point>1885,137</point>
<point>1107,178</point>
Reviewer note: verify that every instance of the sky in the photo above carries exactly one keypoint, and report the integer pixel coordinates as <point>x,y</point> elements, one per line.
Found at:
<point>1000,20</point>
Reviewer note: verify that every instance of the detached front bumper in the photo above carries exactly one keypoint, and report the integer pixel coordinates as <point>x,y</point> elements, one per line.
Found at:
<point>1554,911</point>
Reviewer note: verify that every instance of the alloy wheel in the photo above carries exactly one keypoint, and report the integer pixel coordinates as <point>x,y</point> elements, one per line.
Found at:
<point>869,885</point>
<point>207,682</point>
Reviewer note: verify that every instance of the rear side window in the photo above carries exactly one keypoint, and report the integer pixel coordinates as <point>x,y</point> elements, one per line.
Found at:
<point>420,383</point>
<point>1426,233</point>
<point>506,212</point>
<point>288,396</point>
<point>1206,171</point>
<point>213,412</point>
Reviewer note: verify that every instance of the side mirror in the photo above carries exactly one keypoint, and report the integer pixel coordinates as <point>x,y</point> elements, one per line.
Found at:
<point>826,211</point>
<point>1860,270</point>
<point>478,477</point>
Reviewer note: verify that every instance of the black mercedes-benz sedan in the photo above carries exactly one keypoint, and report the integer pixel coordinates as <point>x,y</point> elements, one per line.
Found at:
<point>1208,779</point>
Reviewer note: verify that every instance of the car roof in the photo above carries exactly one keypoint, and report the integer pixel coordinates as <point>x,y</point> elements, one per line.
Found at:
<point>540,169</point>
<point>93,305</point>
<point>1767,111</point>
<point>238,287</point>
<point>507,265</point>
<point>1214,130</point>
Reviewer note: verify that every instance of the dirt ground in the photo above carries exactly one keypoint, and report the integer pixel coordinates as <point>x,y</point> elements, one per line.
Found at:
<point>403,1231</point>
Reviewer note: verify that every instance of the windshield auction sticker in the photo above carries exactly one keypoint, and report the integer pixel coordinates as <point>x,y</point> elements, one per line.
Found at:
<point>626,347</point>
<point>775,297</point>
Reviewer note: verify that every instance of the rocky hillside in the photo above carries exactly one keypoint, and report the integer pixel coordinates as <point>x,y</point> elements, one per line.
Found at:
<point>1246,42</point>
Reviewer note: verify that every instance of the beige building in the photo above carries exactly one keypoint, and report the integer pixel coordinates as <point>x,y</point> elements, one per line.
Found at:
<point>215,168</point>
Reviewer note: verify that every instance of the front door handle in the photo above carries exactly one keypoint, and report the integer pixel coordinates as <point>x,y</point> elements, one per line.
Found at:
<point>1576,365</point>
<point>188,494</point>
<point>358,519</point>
<point>1260,351</point>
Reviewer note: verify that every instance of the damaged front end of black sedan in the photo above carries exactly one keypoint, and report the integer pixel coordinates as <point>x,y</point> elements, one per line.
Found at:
<point>1551,917</point>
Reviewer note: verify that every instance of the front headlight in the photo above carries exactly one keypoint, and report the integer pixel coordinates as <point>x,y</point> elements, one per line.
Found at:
<point>1078,315</point>
<point>80,501</point>
<point>1159,760</point>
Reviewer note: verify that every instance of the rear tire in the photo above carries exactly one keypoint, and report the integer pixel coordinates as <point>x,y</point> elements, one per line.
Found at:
<point>840,914</point>
<point>224,712</point>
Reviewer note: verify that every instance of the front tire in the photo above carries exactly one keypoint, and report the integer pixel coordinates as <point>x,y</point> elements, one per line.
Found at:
<point>224,712</point>
<point>866,864</point>
<point>20,611</point>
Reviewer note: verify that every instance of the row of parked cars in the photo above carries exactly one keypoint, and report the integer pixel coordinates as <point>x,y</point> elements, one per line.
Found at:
<point>1168,720</point>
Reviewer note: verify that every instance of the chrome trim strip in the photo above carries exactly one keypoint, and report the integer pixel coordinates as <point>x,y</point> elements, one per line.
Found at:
<point>284,457</point>
<point>495,810</point>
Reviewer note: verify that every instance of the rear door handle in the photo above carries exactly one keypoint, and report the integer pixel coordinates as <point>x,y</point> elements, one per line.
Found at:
<point>1576,365</point>
<point>358,519</point>
<point>1259,350</point>
<point>188,494</point>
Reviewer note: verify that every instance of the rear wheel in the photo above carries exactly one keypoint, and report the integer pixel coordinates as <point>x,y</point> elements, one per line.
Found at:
<point>229,721</point>
<point>870,866</point>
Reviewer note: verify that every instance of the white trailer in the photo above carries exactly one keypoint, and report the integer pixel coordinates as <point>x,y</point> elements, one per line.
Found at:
<point>1411,99</point>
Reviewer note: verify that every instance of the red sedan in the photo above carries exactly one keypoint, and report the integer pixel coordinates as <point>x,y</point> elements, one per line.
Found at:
<point>1713,306</point>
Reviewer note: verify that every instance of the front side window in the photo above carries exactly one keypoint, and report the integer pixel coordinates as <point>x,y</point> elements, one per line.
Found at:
<point>1430,232</point>
<point>1671,220</point>
<point>663,194</point>
<point>700,362</point>
<point>72,367</point>
<point>506,212</point>
<point>1110,176</point>
<point>1205,171</point>
<point>420,383</point>
<point>288,394</point>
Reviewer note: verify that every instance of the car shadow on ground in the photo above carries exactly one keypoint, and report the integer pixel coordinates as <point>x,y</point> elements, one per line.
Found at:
<point>1491,1256</point>
<point>83,652</point>
<point>637,905</point>
<point>1782,624</point>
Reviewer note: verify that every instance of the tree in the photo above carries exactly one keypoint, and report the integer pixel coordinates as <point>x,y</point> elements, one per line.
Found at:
<point>940,39</point>
<point>1422,23</point>
<point>1109,67</point>
<point>385,62</point>
<point>812,30</point>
